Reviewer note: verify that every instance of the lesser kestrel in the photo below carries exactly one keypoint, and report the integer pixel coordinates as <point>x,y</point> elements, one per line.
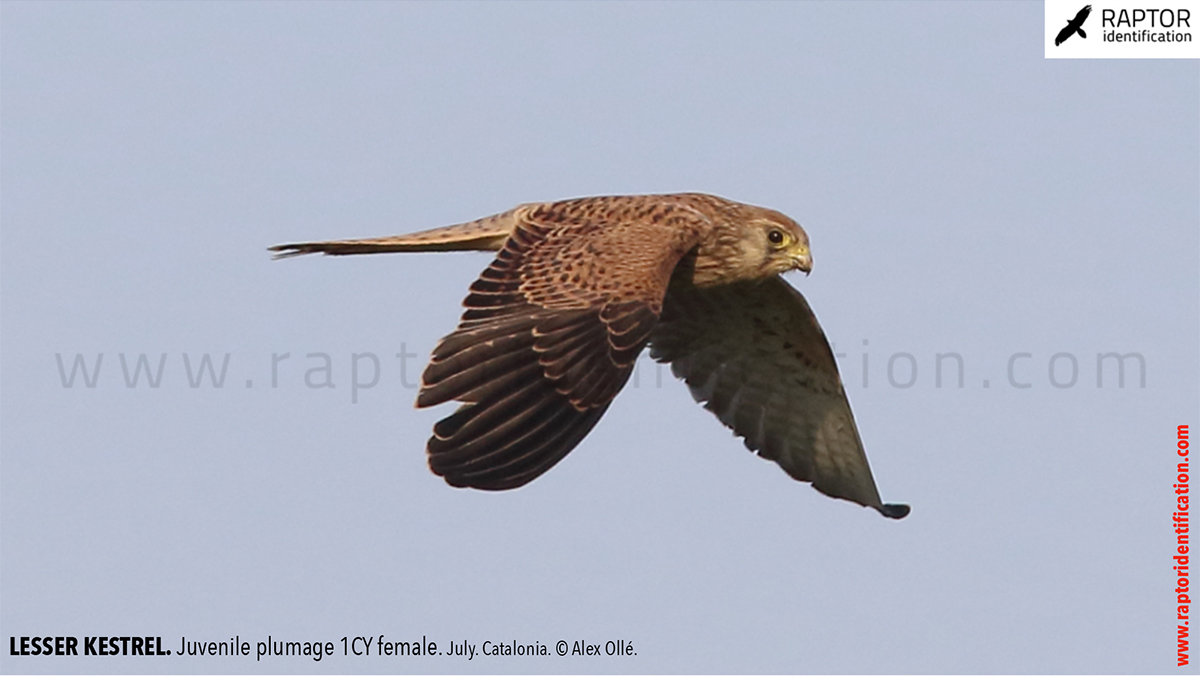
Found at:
<point>554,324</point>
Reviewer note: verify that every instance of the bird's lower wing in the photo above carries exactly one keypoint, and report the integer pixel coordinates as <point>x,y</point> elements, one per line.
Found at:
<point>755,356</point>
<point>516,421</point>
<point>545,344</point>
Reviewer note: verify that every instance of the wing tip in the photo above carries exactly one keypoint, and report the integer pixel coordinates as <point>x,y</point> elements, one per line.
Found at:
<point>457,480</point>
<point>894,510</point>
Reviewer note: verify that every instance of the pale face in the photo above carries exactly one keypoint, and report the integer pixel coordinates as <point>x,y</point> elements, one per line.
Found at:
<point>755,245</point>
<point>779,245</point>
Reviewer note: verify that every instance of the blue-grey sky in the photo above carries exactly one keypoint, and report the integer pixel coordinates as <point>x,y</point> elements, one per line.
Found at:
<point>963,195</point>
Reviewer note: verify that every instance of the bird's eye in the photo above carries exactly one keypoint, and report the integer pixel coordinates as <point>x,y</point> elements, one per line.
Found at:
<point>775,237</point>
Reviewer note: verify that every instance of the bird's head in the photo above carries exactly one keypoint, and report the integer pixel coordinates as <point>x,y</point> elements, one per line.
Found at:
<point>780,245</point>
<point>752,243</point>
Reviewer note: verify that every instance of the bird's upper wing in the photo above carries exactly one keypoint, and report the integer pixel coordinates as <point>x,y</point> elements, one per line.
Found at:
<point>550,334</point>
<point>754,355</point>
<point>1082,15</point>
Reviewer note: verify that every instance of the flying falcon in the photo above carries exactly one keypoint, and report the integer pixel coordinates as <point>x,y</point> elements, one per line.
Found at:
<point>1074,26</point>
<point>554,324</point>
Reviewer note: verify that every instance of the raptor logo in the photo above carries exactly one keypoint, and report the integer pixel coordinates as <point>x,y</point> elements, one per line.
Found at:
<point>1074,26</point>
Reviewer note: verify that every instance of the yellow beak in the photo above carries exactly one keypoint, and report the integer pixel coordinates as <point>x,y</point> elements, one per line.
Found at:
<point>802,259</point>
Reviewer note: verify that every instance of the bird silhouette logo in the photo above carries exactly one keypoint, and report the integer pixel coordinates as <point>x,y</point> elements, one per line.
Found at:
<point>1074,26</point>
